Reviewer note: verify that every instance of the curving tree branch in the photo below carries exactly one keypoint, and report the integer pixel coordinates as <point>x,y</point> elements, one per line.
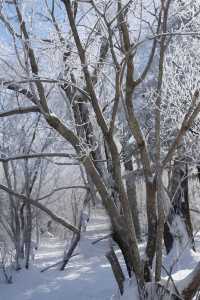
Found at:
<point>54,217</point>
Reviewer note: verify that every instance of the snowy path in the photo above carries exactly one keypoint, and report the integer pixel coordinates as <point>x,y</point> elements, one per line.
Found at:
<point>87,277</point>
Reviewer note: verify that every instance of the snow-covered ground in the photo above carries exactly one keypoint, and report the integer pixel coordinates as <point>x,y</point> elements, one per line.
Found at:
<point>87,277</point>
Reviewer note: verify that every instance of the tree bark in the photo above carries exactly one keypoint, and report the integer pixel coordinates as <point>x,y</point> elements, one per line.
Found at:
<point>132,197</point>
<point>117,271</point>
<point>193,284</point>
<point>180,203</point>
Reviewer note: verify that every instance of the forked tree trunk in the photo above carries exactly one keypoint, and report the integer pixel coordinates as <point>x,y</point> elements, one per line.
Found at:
<point>118,236</point>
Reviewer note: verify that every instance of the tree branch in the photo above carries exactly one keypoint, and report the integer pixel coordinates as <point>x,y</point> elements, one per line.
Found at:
<point>36,155</point>
<point>54,217</point>
<point>185,126</point>
<point>193,283</point>
<point>19,111</point>
<point>61,189</point>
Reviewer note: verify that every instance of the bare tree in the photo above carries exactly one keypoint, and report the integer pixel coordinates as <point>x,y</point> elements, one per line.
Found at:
<point>95,92</point>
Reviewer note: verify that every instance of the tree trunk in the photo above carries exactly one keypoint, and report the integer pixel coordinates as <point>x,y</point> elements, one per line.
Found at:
<point>17,241</point>
<point>152,228</point>
<point>22,238</point>
<point>76,237</point>
<point>180,204</point>
<point>123,247</point>
<point>132,197</point>
<point>37,225</point>
<point>28,234</point>
<point>116,268</point>
<point>193,284</point>
<point>74,243</point>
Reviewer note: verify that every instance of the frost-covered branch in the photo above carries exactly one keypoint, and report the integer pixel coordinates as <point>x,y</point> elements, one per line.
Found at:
<point>188,120</point>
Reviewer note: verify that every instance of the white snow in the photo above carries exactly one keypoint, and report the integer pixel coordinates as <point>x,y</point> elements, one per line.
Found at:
<point>186,261</point>
<point>88,276</point>
<point>130,293</point>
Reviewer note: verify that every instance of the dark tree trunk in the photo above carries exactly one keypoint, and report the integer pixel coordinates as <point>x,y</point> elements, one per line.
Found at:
<point>28,234</point>
<point>180,204</point>
<point>152,228</point>
<point>116,268</point>
<point>74,243</point>
<point>37,225</point>
<point>17,241</point>
<point>22,222</point>
<point>123,247</point>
